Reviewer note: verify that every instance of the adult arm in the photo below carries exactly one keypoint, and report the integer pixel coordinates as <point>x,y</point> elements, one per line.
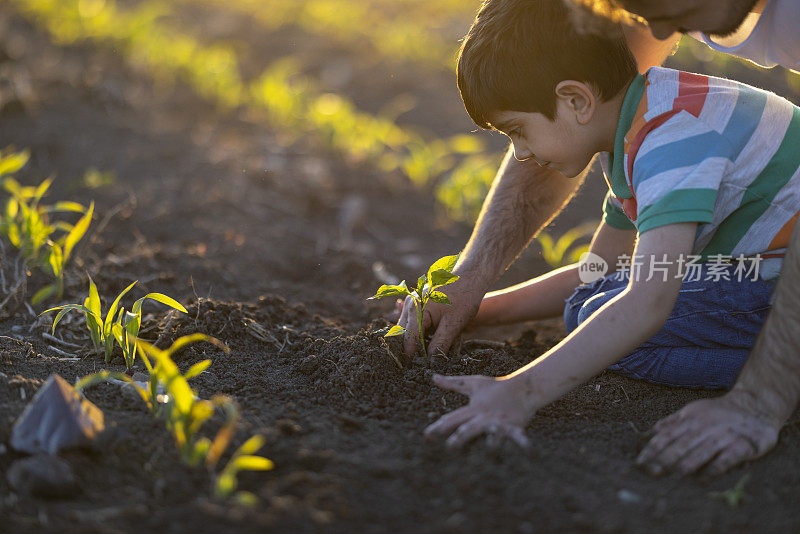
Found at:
<point>744,423</point>
<point>504,405</point>
<point>523,199</point>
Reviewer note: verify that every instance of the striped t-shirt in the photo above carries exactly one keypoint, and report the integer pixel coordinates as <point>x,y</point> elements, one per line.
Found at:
<point>693,148</point>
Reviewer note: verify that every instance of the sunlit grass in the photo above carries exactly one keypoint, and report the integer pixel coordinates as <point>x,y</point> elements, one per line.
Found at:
<point>291,101</point>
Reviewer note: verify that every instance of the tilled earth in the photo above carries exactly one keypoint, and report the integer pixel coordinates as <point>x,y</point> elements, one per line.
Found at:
<point>274,248</point>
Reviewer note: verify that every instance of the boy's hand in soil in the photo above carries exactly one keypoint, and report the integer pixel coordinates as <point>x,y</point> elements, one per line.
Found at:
<point>718,433</point>
<point>617,328</point>
<point>493,409</point>
<point>447,320</point>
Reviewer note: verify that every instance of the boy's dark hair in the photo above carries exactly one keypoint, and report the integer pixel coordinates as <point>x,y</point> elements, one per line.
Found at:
<point>517,51</point>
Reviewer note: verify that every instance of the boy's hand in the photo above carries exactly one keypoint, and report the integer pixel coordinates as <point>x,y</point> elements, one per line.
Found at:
<point>493,409</point>
<point>447,320</point>
<point>717,432</point>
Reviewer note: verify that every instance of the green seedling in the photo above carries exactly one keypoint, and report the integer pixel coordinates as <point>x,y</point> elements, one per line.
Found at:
<point>733,496</point>
<point>120,325</point>
<point>27,225</point>
<point>183,411</point>
<point>439,274</point>
<point>170,396</point>
<point>243,459</point>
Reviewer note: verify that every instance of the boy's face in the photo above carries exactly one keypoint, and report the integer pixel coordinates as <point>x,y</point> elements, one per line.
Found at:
<point>561,144</point>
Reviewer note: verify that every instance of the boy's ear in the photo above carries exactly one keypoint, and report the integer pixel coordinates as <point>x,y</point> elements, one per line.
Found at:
<point>578,98</point>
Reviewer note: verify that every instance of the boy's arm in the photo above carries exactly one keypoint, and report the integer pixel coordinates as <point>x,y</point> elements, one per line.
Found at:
<point>503,405</point>
<point>544,296</point>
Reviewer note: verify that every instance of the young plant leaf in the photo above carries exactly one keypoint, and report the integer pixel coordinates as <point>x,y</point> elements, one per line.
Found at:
<point>252,445</point>
<point>43,294</point>
<point>158,297</point>
<point>439,297</point>
<point>396,330</point>
<point>77,231</point>
<point>446,263</point>
<point>196,369</point>
<point>112,312</point>
<point>390,291</point>
<point>441,277</point>
<point>252,463</point>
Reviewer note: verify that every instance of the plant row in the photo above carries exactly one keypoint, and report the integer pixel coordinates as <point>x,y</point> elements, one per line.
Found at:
<point>459,167</point>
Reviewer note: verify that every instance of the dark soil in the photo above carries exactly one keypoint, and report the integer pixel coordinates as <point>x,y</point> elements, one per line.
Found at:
<point>273,250</point>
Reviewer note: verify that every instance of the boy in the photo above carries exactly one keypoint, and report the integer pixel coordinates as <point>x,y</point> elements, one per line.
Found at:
<point>698,168</point>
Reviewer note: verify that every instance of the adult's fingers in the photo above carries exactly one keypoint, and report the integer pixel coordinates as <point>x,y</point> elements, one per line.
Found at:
<point>737,451</point>
<point>696,457</point>
<point>665,436</point>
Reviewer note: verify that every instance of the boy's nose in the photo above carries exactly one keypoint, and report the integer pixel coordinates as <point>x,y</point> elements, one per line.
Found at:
<point>521,153</point>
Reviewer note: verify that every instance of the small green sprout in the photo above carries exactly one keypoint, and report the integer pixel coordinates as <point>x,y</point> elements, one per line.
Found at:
<point>120,325</point>
<point>733,496</point>
<point>563,251</point>
<point>439,274</point>
<point>243,459</point>
<point>170,396</point>
<point>27,225</point>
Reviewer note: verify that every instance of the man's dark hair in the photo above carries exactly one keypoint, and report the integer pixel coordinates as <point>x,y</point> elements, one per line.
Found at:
<point>517,51</point>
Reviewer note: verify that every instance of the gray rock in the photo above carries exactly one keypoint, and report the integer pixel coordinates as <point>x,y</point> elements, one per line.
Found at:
<point>57,418</point>
<point>42,476</point>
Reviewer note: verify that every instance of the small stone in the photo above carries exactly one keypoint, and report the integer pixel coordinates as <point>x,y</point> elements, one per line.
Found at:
<point>628,496</point>
<point>288,427</point>
<point>43,476</point>
<point>57,418</point>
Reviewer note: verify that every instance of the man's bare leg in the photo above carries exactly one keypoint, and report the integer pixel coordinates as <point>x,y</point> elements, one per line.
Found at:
<point>744,423</point>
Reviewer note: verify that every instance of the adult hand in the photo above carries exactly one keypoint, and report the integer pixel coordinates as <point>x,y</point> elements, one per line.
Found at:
<point>493,409</point>
<point>448,320</point>
<point>718,433</point>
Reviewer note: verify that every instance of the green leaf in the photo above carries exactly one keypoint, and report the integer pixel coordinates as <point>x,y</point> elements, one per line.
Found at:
<point>441,278</point>
<point>390,291</point>
<point>245,498</point>
<point>421,281</point>
<point>159,297</point>
<point>246,462</point>
<point>225,485</point>
<point>43,294</point>
<point>65,205</point>
<point>446,263</point>
<point>196,369</point>
<point>13,162</point>
<point>112,312</point>
<point>63,310</point>
<point>252,445</point>
<point>77,232</point>
<point>56,260</point>
<point>439,297</point>
<point>396,330</point>
<point>199,451</point>
<point>93,302</point>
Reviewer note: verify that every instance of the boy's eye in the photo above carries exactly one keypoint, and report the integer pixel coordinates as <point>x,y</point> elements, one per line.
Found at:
<point>516,132</point>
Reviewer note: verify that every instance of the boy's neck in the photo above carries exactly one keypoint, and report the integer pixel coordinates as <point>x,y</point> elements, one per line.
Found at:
<point>608,114</point>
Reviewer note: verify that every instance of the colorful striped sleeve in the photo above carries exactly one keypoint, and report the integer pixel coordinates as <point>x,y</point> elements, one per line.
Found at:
<point>614,216</point>
<point>677,173</point>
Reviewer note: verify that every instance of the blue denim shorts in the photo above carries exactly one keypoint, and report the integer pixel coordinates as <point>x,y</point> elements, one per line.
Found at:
<point>706,339</point>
